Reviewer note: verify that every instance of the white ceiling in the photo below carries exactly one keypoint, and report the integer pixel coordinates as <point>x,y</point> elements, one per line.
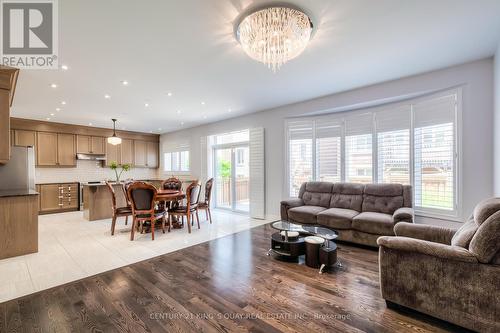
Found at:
<point>187,47</point>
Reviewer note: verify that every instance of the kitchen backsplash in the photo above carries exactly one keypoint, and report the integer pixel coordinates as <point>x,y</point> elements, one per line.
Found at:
<point>90,171</point>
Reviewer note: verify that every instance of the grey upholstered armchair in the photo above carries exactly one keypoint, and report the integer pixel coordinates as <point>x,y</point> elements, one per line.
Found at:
<point>450,274</point>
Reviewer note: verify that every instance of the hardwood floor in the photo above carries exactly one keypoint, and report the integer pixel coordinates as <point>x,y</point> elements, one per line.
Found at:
<point>224,285</point>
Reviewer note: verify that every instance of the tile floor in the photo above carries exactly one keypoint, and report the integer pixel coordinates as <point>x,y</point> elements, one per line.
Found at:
<point>71,248</point>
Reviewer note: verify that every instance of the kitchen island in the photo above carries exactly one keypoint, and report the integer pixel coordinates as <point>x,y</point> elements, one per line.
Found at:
<point>18,222</point>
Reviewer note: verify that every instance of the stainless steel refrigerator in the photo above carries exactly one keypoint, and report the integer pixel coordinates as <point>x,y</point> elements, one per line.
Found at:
<point>19,172</point>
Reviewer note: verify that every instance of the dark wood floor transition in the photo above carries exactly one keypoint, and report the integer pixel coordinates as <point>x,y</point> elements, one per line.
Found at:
<point>225,285</point>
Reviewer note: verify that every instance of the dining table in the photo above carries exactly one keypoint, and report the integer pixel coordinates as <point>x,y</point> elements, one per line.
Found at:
<point>164,196</point>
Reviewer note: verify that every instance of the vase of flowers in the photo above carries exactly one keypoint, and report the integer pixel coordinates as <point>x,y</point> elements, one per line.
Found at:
<point>119,169</point>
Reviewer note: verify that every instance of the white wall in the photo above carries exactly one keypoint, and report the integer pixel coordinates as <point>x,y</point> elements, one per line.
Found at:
<point>477,81</point>
<point>497,123</point>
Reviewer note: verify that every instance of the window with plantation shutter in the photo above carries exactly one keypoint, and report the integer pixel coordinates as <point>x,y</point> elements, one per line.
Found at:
<point>300,153</point>
<point>328,150</point>
<point>393,144</point>
<point>434,153</point>
<point>412,142</point>
<point>358,148</point>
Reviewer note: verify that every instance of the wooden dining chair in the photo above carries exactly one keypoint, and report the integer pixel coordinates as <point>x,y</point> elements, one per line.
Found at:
<point>205,205</point>
<point>117,211</point>
<point>191,207</point>
<point>171,184</point>
<point>143,197</point>
<point>125,186</point>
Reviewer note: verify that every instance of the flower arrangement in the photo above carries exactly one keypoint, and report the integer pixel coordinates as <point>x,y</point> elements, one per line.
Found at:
<point>115,166</point>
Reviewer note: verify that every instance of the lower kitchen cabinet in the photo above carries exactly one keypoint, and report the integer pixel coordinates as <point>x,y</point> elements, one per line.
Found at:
<point>55,198</point>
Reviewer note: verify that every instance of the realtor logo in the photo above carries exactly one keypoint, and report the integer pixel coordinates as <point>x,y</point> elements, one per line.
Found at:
<point>29,33</point>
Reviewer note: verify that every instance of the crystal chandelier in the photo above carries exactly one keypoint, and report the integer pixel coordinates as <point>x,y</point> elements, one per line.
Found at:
<point>274,35</point>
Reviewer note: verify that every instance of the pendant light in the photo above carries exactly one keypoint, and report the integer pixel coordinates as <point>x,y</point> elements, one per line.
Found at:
<point>114,140</point>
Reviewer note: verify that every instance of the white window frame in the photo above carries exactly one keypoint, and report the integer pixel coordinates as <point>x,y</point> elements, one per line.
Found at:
<point>456,213</point>
<point>179,164</point>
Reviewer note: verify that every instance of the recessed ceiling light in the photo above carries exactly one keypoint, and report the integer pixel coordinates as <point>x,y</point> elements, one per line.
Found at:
<point>107,96</point>
<point>146,104</point>
<point>52,114</point>
<point>53,85</point>
<point>202,103</point>
<point>125,82</point>
<point>64,67</point>
<point>63,103</point>
<point>58,109</point>
<point>169,94</point>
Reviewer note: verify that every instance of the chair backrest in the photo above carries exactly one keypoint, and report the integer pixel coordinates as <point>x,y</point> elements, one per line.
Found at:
<point>125,186</point>
<point>171,184</point>
<point>208,190</point>
<point>193,194</point>
<point>113,195</point>
<point>142,196</point>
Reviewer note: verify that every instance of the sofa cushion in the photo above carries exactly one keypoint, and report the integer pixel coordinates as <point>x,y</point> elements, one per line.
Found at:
<point>374,223</point>
<point>464,235</point>
<point>316,193</point>
<point>486,241</point>
<point>347,195</point>
<point>382,198</point>
<point>305,214</point>
<point>337,218</point>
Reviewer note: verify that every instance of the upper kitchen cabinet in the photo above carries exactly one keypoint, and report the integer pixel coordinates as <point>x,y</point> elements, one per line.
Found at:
<point>140,153</point>
<point>66,153</point>
<point>55,149</point>
<point>113,154</point>
<point>127,152</point>
<point>8,81</point>
<point>24,138</point>
<point>152,155</point>
<point>86,144</point>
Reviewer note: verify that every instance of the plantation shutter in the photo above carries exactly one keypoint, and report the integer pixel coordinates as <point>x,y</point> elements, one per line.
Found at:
<point>257,191</point>
<point>358,148</point>
<point>328,150</point>
<point>435,160</point>
<point>393,144</point>
<point>300,154</point>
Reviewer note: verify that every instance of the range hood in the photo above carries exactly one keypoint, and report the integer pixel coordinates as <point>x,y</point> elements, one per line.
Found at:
<point>91,157</point>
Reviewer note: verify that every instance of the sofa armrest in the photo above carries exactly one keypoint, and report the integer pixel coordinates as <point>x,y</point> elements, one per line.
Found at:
<point>428,248</point>
<point>403,214</point>
<point>287,204</point>
<point>425,232</point>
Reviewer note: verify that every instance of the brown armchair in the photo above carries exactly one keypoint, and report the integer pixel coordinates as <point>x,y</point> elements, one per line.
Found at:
<point>450,274</point>
<point>143,197</point>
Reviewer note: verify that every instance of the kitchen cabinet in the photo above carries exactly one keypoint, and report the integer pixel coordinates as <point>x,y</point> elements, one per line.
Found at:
<point>146,154</point>
<point>8,81</point>
<point>113,154</point>
<point>46,149</point>
<point>55,149</point>
<point>56,198</point>
<point>152,155</point>
<point>127,152</point>
<point>140,153</point>
<point>24,138</point>
<point>86,144</point>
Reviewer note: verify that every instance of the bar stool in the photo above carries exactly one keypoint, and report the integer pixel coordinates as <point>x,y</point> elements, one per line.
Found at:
<point>313,244</point>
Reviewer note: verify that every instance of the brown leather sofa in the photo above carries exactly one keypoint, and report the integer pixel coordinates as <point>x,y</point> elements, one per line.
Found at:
<point>450,274</point>
<point>359,213</point>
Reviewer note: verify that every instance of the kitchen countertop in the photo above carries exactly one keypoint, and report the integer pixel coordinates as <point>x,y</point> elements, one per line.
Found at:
<point>16,193</point>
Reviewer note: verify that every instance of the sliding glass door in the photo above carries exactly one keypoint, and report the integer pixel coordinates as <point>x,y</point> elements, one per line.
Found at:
<point>232,177</point>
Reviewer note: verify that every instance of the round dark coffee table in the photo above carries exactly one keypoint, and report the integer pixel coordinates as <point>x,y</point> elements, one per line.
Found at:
<point>283,245</point>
